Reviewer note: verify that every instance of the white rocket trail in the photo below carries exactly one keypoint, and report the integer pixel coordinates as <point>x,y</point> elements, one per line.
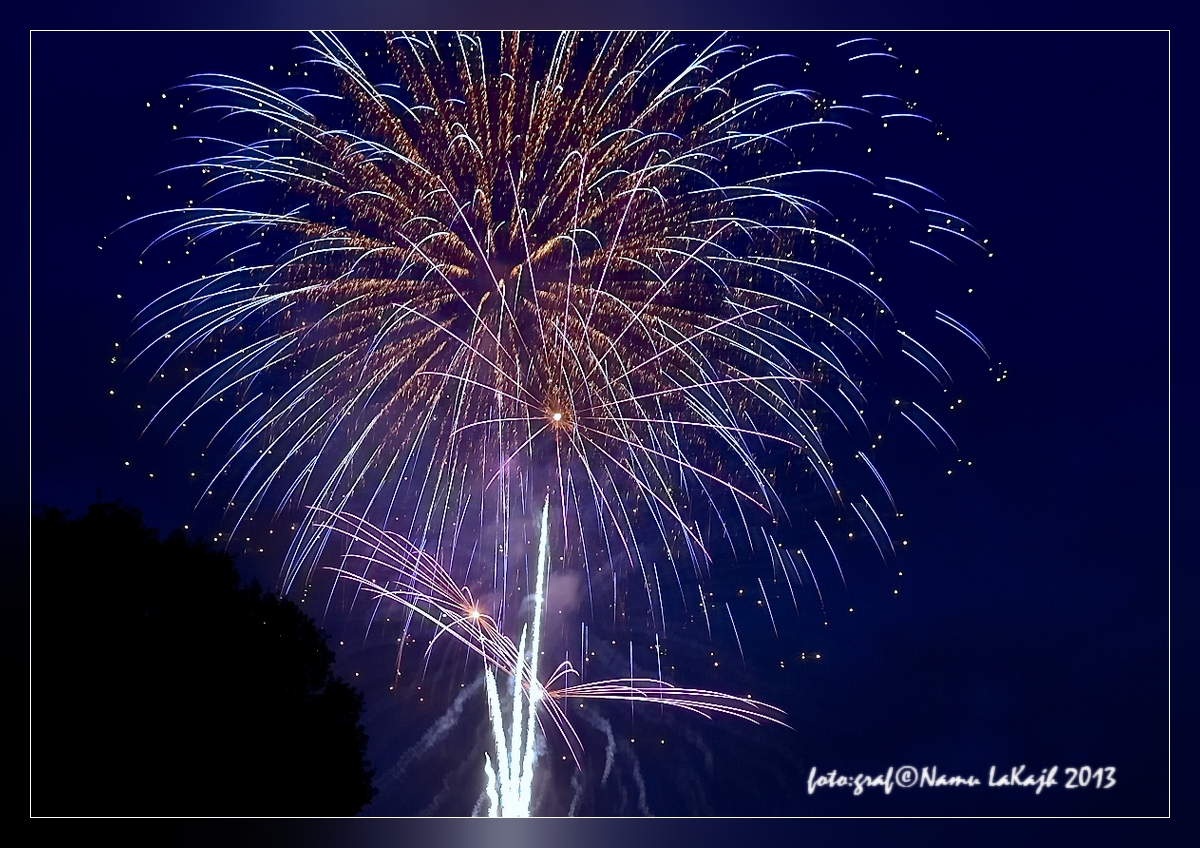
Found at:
<point>510,782</point>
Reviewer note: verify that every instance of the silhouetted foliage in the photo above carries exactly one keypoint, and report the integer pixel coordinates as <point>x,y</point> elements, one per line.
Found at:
<point>162,687</point>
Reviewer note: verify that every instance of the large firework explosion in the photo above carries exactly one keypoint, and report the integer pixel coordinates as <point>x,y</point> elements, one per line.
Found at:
<point>469,272</point>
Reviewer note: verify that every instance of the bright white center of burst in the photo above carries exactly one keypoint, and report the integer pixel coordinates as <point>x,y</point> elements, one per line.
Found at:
<point>558,416</point>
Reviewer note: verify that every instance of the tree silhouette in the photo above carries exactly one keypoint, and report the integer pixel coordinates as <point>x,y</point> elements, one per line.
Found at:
<point>160,686</point>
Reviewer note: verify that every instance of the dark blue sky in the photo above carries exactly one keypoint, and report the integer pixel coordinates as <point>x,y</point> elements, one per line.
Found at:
<point>1033,623</point>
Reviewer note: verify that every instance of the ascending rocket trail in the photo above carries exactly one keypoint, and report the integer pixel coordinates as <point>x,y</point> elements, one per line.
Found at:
<point>510,790</point>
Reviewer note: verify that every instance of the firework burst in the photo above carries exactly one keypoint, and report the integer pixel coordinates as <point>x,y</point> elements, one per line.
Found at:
<point>474,272</point>
<point>421,585</point>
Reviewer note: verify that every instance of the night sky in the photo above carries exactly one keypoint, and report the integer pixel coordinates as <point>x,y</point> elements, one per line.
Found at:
<point>1031,626</point>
